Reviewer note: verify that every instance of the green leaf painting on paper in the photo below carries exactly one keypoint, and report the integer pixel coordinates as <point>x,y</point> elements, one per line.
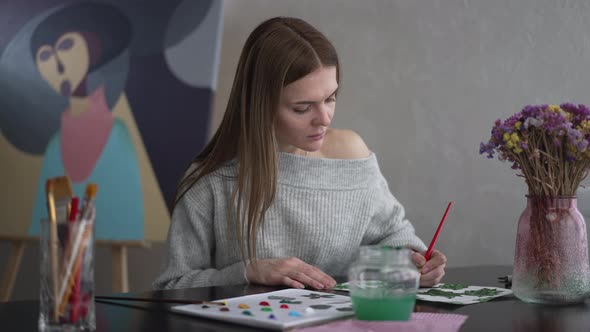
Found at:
<point>452,286</point>
<point>286,298</point>
<point>438,292</point>
<point>484,299</point>
<point>458,294</point>
<point>484,292</point>
<point>341,286</point>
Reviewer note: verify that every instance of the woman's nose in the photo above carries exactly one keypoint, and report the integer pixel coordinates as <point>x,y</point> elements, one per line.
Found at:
<point>323,116</point>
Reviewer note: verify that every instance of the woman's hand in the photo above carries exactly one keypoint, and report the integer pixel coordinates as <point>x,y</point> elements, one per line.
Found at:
<point>431,271</point>
<point>291,272</point>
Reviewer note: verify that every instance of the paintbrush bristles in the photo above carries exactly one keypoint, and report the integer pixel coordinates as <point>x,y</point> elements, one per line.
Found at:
<point>89,196</point>
<point>49,186</point>
<point>62,188</point>
<point>91,190</point>
<point>62,195</point>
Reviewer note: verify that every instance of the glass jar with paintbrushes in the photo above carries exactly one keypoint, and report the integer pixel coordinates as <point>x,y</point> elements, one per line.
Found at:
<point>383,283</point>
<point>67,259</point>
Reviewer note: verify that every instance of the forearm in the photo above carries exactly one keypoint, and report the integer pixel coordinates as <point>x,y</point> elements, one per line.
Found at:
<point>177,278</point>
<point>404,236</point>
<point>389,224</point>
<point>190,250</point>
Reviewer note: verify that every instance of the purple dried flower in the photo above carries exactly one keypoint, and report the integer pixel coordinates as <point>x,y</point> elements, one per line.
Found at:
<point>582,145</point>
<point>547,135</point>
<point>574,135</point>
<point>569,157</point>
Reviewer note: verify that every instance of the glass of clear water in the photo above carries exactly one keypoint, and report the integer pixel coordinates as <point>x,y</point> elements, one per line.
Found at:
<point>383,283</point>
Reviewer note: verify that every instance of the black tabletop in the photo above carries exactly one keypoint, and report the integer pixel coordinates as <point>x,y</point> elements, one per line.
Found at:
<point>502,314</point>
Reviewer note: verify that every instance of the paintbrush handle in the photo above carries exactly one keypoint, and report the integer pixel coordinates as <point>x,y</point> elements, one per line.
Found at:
<point>72,273</point>
<point>53,247</point>
<point>73,257</point>
<point>435,237</point>
<point>143,299</point>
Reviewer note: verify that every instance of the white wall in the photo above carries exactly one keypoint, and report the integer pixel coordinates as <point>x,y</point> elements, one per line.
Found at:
<point>423,82</point>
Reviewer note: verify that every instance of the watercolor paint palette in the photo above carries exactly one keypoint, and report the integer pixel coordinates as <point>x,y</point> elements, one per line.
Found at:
<point>452,293</point>
<point>277,310</point>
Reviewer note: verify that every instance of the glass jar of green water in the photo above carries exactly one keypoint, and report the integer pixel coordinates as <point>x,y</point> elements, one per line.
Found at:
<point>383,283</point>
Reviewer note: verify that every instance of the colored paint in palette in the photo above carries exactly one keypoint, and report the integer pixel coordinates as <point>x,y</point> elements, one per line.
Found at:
<point>277,310</point>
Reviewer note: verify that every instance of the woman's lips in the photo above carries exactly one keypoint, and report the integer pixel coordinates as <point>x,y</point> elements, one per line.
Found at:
<point>317,137</point>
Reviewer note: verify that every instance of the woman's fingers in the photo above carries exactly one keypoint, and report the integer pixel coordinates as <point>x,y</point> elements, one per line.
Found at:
<point>310,275</point>
<point>418,259</point>
<point>291,283</point>
<point>433,270</point>
<point>305,279</point>
<point>436,259</point>
<point>433,277</point>
<point>322,278</point>
<point>291,272</point>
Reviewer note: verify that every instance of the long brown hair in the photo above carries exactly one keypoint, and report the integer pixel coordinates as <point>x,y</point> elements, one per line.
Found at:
<point>278,52</point>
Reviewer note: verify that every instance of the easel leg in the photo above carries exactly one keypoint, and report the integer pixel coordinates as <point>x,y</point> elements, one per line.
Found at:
<point>9,276</point>
<point>120,276</point>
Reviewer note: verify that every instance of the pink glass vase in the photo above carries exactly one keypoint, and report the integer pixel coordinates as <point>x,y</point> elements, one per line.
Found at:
<point>551,258</point>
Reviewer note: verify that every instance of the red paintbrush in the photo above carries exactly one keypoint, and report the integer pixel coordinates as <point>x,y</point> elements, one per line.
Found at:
<point>435,237</point>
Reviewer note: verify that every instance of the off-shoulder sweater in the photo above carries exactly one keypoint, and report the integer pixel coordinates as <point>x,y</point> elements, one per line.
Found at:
<point>323,211</point>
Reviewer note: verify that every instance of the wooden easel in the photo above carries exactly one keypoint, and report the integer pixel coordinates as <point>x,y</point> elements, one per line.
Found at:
<point>18,243</point>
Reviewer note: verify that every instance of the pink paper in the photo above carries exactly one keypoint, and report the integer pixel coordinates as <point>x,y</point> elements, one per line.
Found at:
<point>419,322</point>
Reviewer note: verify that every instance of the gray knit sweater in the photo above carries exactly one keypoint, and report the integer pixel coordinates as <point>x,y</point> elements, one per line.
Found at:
<point>324,209</point>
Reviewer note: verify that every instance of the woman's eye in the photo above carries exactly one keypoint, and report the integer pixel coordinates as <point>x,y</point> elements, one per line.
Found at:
<point>331,100</point>
<point>302,110</point>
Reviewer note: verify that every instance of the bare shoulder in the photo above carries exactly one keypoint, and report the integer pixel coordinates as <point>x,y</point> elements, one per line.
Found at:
<point>344,144</point>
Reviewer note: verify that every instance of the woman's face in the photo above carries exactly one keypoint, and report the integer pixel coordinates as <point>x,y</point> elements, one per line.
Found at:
<point>306,110</point>
<point>65,64</point>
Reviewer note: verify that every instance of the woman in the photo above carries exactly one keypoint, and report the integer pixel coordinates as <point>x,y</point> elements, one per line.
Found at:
<point>277,197</point>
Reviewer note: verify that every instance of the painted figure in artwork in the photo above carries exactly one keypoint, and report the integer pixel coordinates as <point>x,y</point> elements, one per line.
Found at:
<point>91,145</point>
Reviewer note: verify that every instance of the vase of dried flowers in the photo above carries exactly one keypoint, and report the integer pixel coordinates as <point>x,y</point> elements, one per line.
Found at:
<point>551,254</point>
<point>549,145</point>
